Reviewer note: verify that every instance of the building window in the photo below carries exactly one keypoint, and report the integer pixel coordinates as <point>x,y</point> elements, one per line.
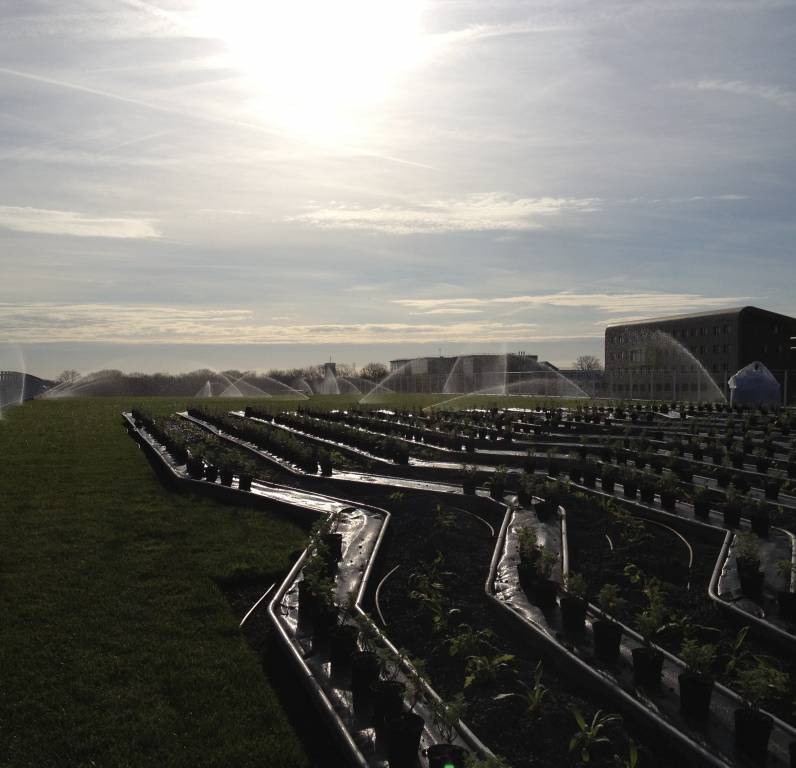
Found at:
<point>715,330</point>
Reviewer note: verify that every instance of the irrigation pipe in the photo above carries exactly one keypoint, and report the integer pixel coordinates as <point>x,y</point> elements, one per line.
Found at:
<point>378,593</point>
<point>684,540</point>
<point>477,517</point>
<point>252,609</point>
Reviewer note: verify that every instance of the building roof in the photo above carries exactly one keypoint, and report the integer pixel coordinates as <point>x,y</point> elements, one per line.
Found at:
<point>695,315</point>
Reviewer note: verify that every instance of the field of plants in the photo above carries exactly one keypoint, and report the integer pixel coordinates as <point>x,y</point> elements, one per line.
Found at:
<point>509,582</point>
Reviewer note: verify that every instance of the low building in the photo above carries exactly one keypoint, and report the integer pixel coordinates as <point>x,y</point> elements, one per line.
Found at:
<point>692,357</point>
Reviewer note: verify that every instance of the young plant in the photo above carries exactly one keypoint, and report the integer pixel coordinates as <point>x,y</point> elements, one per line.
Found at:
<point>469,642</point>
<point>481,670</point>
<point>577,585</point>
<point>698,657</point>
<point>738,653</point>
<point>533,695</point>
<point>631,761</point>
<point>493,761</point>
<point>611,602</point>
<point>589,735</point>
<point>762,684</point>
<point>446,715</point>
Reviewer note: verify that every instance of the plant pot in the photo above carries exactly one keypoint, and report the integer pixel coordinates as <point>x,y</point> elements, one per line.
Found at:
<point>342,643</point>
<point>760,524</point>
<point>468,486</point>
<point>545,510</point>
<point>752,731</point>
<point>751,579</point>
<point>630,490</point>
<point>731,516</point>
<point>771,491</point>
<point>325,618</point>
<point>544,595</point>
<point>244,482</point>
<point>211,473</point>
<point>441,755</point>
<point>647,667</point>
<point>608,484</point>
<point>403,739</point>
<point>695,693</point>
<point>527,575</point>
<point>364,672</point>
<point>763,466</point>
<point>607,636</point>
<point>334,545</point>
<point>786,601</point>
<point>573,614</point>
<point>792,750</point>
<point>388,700</point>
<point>589,479</point>
<point>668,501</point>
<point>307,605</point>
<point>648,495</point>
<point>196,469</point>
<point>226,477</point>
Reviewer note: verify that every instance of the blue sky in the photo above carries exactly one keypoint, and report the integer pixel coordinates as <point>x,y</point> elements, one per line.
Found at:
<point>257,184</point>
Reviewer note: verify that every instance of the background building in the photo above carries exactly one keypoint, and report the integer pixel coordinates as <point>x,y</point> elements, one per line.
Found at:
<point>693,356</point>
<point>468,373</point>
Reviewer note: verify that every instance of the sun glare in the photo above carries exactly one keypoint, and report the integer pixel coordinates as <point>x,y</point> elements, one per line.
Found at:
<point>319,67</point>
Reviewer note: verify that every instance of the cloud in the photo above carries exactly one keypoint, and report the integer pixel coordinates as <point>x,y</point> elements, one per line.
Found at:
<point>473,213</point>
<point>604,302</point>
<point>49,222</point>
<point>770,93</point>
<point>110,323</point>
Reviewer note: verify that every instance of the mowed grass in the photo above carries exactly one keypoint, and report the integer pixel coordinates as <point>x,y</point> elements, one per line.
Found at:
<point>117,647</point>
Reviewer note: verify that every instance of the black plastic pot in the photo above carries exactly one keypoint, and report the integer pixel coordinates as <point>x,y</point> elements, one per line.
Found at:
<point>787,605</point>
<point>307,605</point>
<point>630,489</point>
<point>752,732</point>
<point>732,516</point>
<point>226,476</point>
<point>647,667</point>
<point>760,523</point>
<point>695,693</point>
<point>211,473</point>
<point>195,468</point>
<point>573,614</point>
<point>364,672</point>
<point>403,739</point>
<point>469,486</point>
<point>668,501</point>
<point>244,482</point>
<point>342,643</point>
<point>607,636</point>
<point>544,594</point>
<point>334,544</point>
<point>751,578</point>
<point>771,490</point>
<point>545,510</point>
<point>647,494</point>
<point>325,618</point>
<point>608,484</point>
<point>441,755</point>
<point>388,700</point>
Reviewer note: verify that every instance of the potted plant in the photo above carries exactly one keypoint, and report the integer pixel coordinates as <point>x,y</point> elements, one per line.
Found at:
<point>388,692</point>
<point>364,672</point>
<point>760,519</point>
<point>608,480</point>
<point>446,717</point>
<point>757,685</point>
<point>343,639</point>
<point>244,481</point>
<point>469,480</point>
<point>647,487</point>
<point>747,559</point>
<point>545,588</point>
<point>773,484</point>
<point>497,483</point>
<point>589,472</point>
<point>696,683</point>
<point>195,467</point>
<point>226,474</point>
<point>732,508</point>
<point>573,604</point>
<point>629,484</point>
<point>648,660</point>
<point>669,488</point>
<point>786,600</point>
<point>211,473</point>
<point>701,498</point>
<point>588,739</point>
<point>403,730</point>
<point>608,632</point>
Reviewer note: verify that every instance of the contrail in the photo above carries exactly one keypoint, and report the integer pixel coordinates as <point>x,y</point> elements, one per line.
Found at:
<point>188,115</point>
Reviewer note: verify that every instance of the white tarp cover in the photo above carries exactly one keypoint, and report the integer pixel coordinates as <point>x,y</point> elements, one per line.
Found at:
<point>754,385</point>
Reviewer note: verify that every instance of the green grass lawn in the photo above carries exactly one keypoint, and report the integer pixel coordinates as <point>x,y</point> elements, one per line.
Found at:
<point>117,647</point>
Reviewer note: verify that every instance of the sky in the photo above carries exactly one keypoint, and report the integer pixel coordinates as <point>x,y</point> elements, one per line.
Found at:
<point>256,184</point>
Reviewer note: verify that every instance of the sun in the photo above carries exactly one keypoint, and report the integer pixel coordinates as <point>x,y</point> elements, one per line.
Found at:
<point>319,68</point>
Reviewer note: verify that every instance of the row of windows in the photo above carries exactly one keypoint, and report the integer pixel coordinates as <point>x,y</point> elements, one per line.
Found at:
<point>661,386</point>
<point>637,355</point>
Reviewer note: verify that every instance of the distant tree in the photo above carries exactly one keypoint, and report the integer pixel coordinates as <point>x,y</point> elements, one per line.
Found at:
<point>69,376</point>
<point>373,371</point>
<point>588,363</point>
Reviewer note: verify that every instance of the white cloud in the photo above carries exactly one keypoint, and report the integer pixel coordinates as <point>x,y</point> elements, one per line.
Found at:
<point>604,302</point>
<point>772,93</point>
<point>41,322</point>
<point>50,222</point>
<point>477,212</point>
